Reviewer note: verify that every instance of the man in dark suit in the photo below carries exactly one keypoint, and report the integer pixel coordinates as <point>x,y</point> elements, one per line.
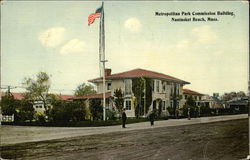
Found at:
<point>124,118</point>
<point>152,118</point>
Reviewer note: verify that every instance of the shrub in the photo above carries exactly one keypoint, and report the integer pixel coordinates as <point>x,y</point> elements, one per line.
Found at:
<point>111,114</point>
<point>96,109</point>
<point>171,111</point>
<point>205,111</point>
<point>63,111</point>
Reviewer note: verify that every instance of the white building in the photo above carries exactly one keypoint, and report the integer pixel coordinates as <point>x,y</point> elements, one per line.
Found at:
<point>167,91</point>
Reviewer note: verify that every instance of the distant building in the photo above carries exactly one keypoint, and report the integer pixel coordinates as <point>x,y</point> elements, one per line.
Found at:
<point>196,96</point>
<point>166,90</point>
<point>238,104</point>
<point>204,100</point>
<point>38,105</point>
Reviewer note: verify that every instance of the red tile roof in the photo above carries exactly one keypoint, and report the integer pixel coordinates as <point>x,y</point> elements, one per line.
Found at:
<point>20,96</point>
<point>93,96</point>
<point>188,91</point>
<point>65,97</point>
<point>139,73</point>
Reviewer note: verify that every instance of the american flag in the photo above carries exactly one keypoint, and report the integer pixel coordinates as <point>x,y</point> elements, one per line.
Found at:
<point>95,15</point>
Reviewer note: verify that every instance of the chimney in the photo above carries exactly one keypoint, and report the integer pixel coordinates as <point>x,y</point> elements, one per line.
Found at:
<point>107,72</point>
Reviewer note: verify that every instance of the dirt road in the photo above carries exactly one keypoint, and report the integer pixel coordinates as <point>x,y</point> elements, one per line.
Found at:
<point>21,134</point>
<point>227,140</point>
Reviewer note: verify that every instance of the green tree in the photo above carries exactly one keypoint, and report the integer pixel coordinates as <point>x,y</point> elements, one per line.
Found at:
<point>119,100</point>
<point>148,83</point>
<point>231,95</point>
<point>84,89</point>
<point>78,110</point>
<point>25,110</point>
<point>58,112</point>
<point>37,89</point>
<point>190,103</point>
<point>137,88</point>
<point>22,109</point>
<point>96,109</point>
<point>63,111</point>
<point>9,105</point>
<point>140,87</point>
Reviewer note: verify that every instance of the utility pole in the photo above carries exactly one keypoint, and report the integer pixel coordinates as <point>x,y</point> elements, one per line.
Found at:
<point>144,97</point>
<point>0,108</point>
<point>248,157</point>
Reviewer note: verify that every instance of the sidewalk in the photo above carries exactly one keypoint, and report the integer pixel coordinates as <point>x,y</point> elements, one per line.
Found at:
<point>21,134</point>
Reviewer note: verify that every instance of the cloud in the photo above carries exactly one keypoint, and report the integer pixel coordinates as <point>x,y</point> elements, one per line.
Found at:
<point>52,37</point>
<point>132,24</point>
<point>203,34</point>
<point>184,44</point>
<point>73,46</point>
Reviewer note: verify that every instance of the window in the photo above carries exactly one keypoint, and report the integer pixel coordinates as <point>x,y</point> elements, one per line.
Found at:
<point>153,85</point>
<point>128,104</point>
<point>172,104</point>
<point>109,86</point>
<point>164,105</point>
<point>158,86</point>
<point>128,86</point>
<point>163,87</point>
<point>177,89</point>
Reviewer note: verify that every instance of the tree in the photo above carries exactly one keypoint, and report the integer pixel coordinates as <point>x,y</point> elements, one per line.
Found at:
<point>137,88</point>
<point>25,110</point>
<point>84,89</point>
<point>118,99</point>
<point>22,109</point>
<point>63,111</point>
<point>140,87</point>
<point>96,109</point>
<point>78,110</point>
<point>37,89</point>
<point>9,105</point>
<point>190,103</point>
<point>231,95</point>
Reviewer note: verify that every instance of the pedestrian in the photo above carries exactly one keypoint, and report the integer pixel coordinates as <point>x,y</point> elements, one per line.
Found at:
<point>152,118</point>
<point>124,118</point>
<point>189,116</point>
<point>177,113</point>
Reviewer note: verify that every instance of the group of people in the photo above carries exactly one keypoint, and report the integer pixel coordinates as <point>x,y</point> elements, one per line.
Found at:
<point>124,118</point>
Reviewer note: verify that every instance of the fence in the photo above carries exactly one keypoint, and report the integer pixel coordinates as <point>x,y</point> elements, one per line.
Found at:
<point>7,118</point>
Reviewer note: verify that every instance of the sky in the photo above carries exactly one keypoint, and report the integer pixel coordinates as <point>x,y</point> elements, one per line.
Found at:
<point>54,37</point>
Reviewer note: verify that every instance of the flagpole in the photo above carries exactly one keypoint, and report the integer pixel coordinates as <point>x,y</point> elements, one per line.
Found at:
<point>102,54</point>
